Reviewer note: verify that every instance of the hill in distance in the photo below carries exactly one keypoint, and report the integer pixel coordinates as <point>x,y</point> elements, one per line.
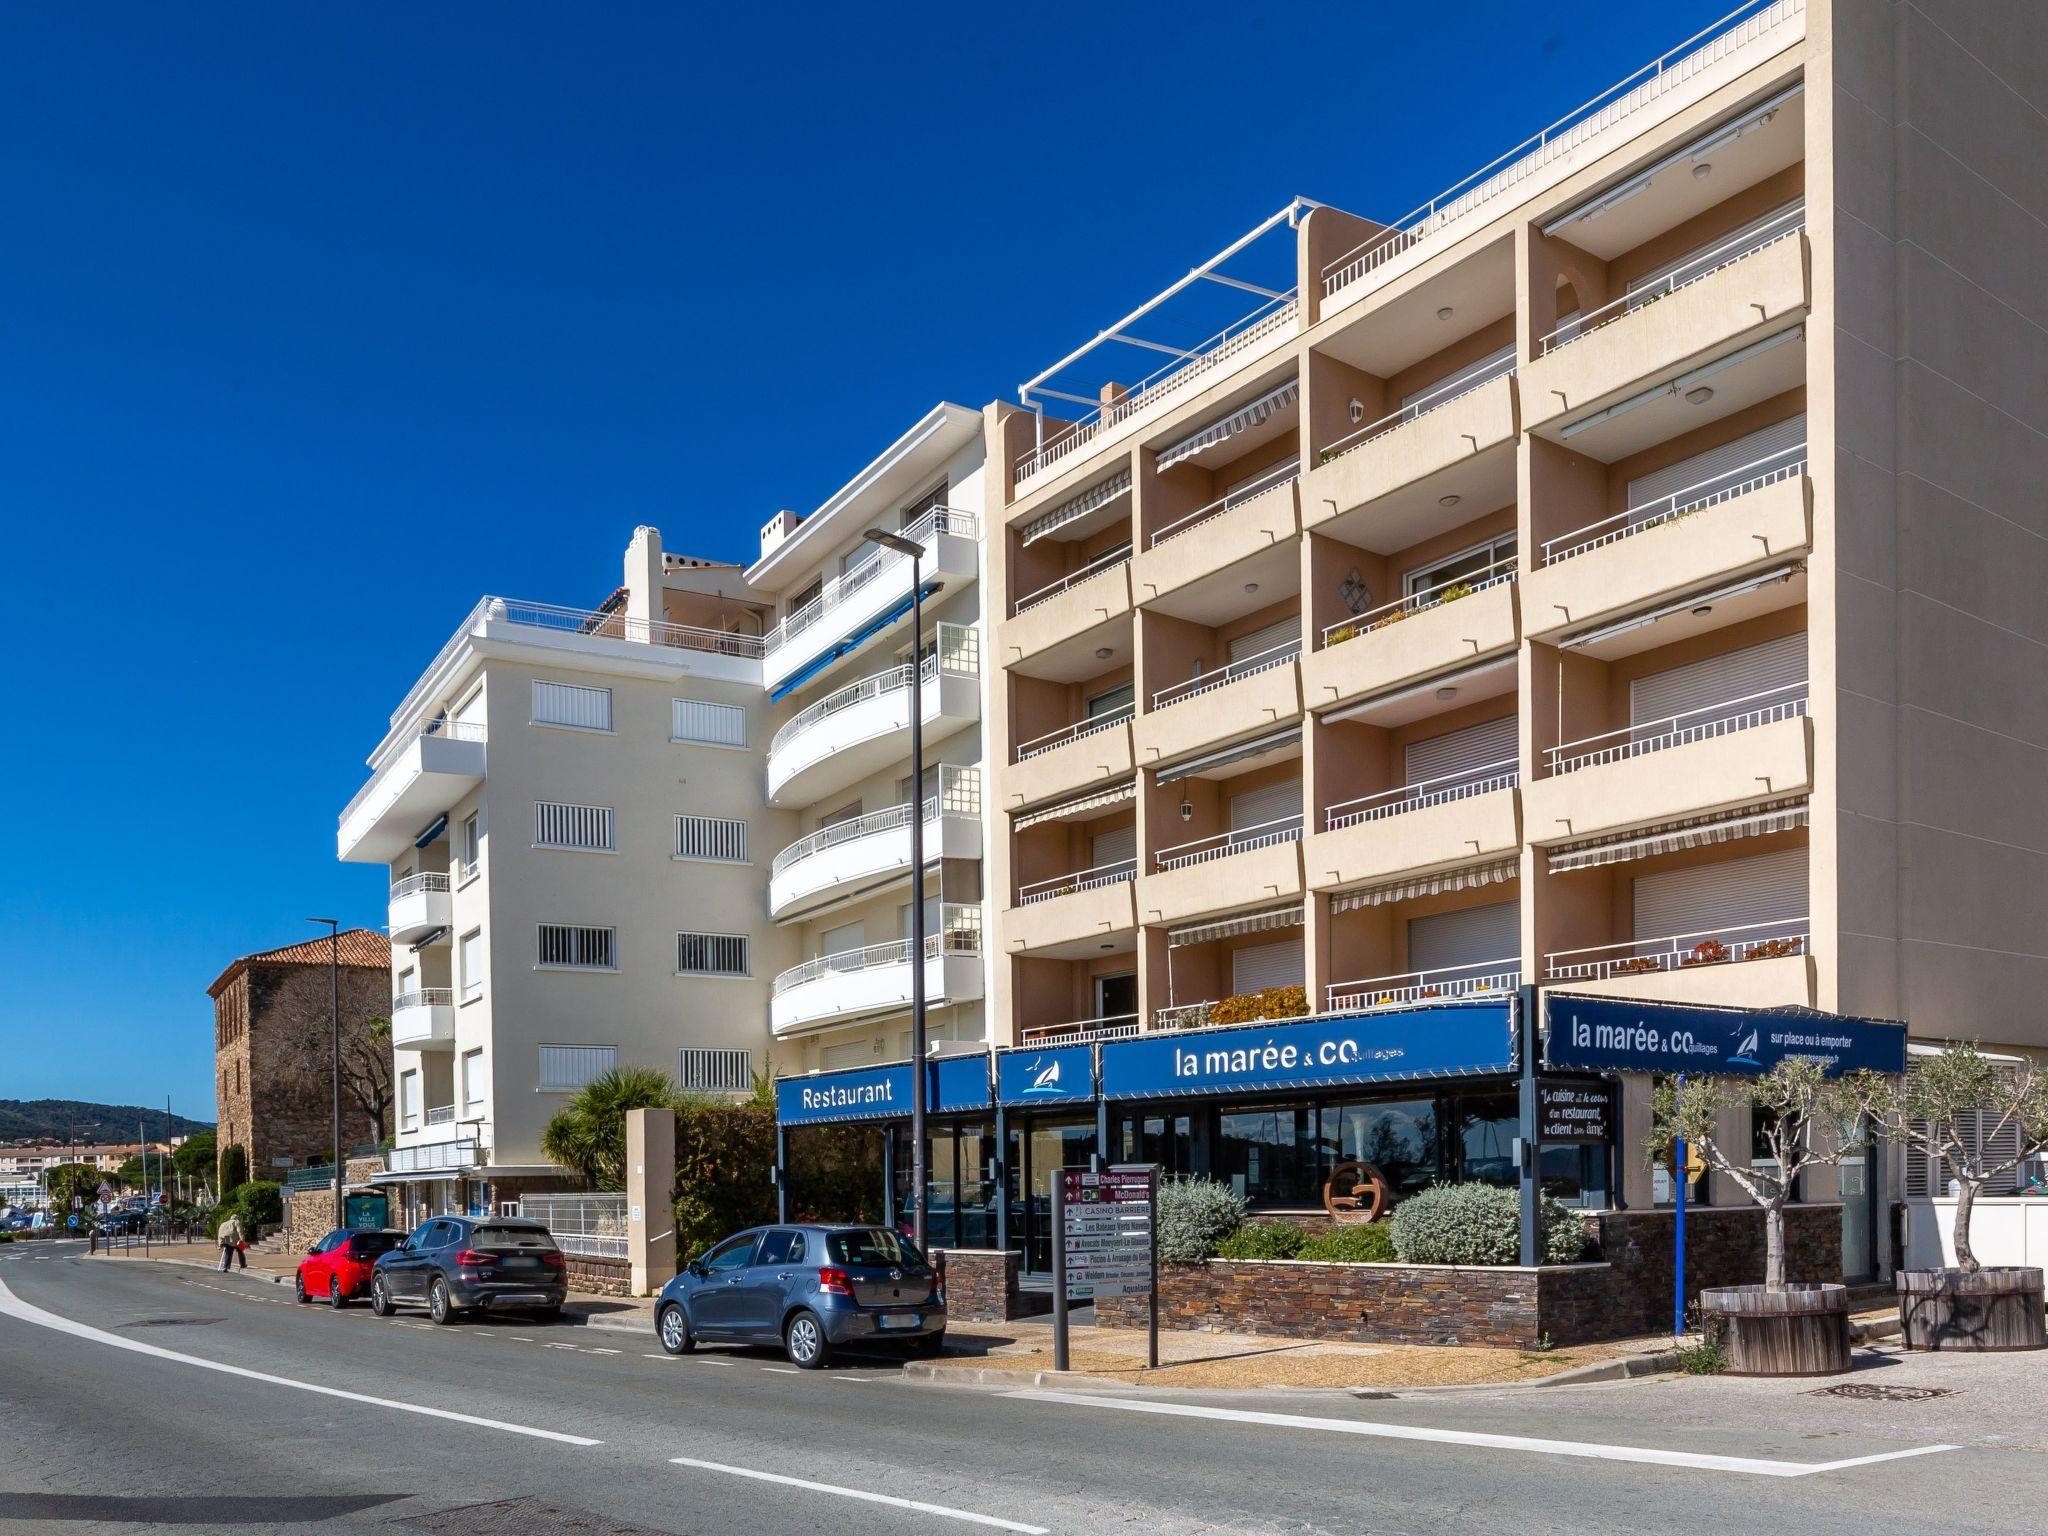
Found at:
<point>61,1120</point>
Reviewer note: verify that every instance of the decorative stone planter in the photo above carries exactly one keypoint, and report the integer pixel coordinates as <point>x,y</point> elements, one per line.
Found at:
<point>1993,1309</point>
<point>1802,1330</point>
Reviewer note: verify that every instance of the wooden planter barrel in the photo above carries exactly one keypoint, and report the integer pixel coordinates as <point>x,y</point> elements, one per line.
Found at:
<point>1802,1330</point>
<point>1994,1309</point>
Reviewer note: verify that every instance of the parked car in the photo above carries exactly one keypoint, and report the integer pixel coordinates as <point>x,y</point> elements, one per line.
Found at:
<point>338,1266</point>
<point>808,1288</point>
<point>456,1263</point>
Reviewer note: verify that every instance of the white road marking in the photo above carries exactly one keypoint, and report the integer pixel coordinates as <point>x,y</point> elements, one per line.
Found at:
<point>860,1494</point>
<point>21,1311</point>
<point>1754,1466</point>
<point>783,1370</point>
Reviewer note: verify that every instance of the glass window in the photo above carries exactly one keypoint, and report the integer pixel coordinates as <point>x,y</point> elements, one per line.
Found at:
<point>367,1245</point>
<point>734,1253</point>
<point>1167,1140</point>
<point>1268,1155</point>
<point>873,1245</point>
<point>779,1248</point>
<point>1398,1137</point>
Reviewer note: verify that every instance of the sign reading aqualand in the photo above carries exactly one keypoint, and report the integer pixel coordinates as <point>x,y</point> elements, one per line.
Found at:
<point>1309,1053</point>
<point>1608,1034</point>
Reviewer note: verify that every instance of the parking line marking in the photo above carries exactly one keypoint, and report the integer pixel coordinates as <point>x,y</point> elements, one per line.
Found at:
<point>861,1494</point>
<point>1754,1466</point>
<point>21,1311</point>
<point>783,1370</point>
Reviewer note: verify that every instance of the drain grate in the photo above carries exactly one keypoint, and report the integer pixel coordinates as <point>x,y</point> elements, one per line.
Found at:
<point>170,1322</point>
<point>1883,1392</point>
<point>524,1517</point>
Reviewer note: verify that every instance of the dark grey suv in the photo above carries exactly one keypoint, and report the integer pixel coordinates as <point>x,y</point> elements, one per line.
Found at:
<point>454,1263</point>
<point>808,1288</point>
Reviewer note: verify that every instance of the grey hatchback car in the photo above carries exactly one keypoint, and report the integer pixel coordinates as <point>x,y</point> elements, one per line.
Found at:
<point>810,1288</point>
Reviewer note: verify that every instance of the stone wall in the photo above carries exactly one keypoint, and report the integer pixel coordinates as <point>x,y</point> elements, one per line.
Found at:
<point>1724,1245</point>
<point>600,1277</point>
<point>981,1286</point>
<point>309,1213</point>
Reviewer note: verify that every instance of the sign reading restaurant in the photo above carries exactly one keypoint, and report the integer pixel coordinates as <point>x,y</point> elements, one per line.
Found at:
<point>954,1084</point>
<point>1618,1034</point>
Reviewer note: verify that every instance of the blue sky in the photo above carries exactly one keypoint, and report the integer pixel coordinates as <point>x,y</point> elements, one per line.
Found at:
<point>318,323</point>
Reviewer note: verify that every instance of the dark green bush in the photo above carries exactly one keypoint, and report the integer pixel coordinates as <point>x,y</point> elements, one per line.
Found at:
<point>721,1149</point>
<point>234,1169</point>
<point>1263,1240</point>
<point>1356,1243</point>
<point>262,1204</point>
<point>1481,1224</point>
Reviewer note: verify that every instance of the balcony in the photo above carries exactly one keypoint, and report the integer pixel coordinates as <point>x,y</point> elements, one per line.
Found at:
<point>425,778</point>
<point>1213,874</point>
<point>1418,827</point>
<point>1402,465</point>
<point>867,853</point>
<point>868,600</point>
<point>1719,528</point>
<point>859,730</point>
<point>1072,914</point>
<point>440,1114</point>
<point>1250,695</point>
<point>1119,1026</point>
<point>1415,637</point>
<point>1481,978</point>
<point>1054,630</point>
<point>1257,522</point>
<point>853,984</point>
<point>1741,750</point>
<point>420,904</point>
<point>1092,751</point>
<point>423,1019</point>
<point>1751,965</point>
<point>445,1154</point>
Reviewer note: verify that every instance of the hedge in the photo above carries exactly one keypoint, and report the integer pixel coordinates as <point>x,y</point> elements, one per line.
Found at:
<point>1481,1224</point>
<point>1195,1216</point>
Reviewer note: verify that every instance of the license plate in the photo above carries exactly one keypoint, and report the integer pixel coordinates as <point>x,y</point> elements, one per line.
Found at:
<point>519,1263</point>
<point>900,1320</point>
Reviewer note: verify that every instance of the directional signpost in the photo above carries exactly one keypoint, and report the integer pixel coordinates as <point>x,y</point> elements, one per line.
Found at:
<point>1105,1244</point>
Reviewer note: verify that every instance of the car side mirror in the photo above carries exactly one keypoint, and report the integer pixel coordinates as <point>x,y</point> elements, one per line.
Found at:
<point>694,1268</point>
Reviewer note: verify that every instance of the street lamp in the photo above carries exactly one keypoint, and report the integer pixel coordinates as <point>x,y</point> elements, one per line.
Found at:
<point>334,1041</point>
<point>918,1043</point>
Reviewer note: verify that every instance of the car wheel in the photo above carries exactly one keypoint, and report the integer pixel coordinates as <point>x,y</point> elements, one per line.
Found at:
<point>299,1288</point>
<point>334,1297</point>
<point>380,1297</point>
<point>674,1328</point>
<point>439,1307</point>
<point>805,1340</point>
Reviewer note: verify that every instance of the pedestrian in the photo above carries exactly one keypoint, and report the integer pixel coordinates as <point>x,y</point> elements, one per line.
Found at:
<point>232,1242</point>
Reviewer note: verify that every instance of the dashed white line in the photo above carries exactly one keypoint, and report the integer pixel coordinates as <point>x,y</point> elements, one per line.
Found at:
<point>783,1370</point>
<point>859,1493</point>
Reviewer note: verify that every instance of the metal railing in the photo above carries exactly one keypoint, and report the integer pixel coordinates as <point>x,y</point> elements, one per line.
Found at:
<point>959,794</point>
<point>1787,224</point>
<point>1108,560</point>
<point>1075,732</point>
<point>1754,476</point>
<point>1416,602</point>
<point>842,588</point>
<point>1423,793</point>
<point>422,1157</point>
<point>424,997</point>
<point>1647,736</point>
<point>1183,1015</point>
<point>1267,834</point>
<point>1080,880</point>
<point>1114,1026</point>
<point>1416,409</point>
<point>593,1226</point>
<point>1678,951</point>
<point>425,882</point>
<point>959,654</point>
<point>1642,89</point>
<point>449,730</point>
<point>1284,474</point>
<point>1477,978</point>
<point>441,1114</point>
<point>959,934</point>
<point>1202,682</point>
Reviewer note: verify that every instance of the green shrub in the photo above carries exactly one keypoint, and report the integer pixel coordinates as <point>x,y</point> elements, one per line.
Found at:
<point>262,1204</point>
<point>1481,1224</point>
<point>721,1148</point>
<point>1195,1215</point>
<point>1263,1240</point>
<point>1353,1243</point>
<point>234,1169</point>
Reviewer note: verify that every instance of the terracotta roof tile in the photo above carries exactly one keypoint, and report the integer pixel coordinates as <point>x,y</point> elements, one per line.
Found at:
<point>358,946</point>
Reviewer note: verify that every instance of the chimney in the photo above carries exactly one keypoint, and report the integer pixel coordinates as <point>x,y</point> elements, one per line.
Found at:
<point>642,581</point>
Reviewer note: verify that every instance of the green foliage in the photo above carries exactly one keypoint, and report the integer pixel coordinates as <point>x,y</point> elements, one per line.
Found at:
<point>1352,1243</point>
<point>1195,1215</point>
<point>835,1172</point>
<point>234,1169</point>
<point>258,1203</point>
<point>197,1157</point>
<point>1269,1003</point>
<point>588,1134</point>
<point>1700,1352</point>
<point>67,1122</point>
<point>137,1172</point>
<point>1481,1224</point>
<point>1263,1240</point>
<point>68,1180</point>
<point>723,1153</point>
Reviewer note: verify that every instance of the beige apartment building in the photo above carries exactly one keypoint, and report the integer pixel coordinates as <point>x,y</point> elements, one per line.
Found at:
<point>1622,575</point>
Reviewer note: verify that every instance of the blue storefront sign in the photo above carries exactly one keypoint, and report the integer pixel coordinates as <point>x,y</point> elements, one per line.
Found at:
<point>1062,1074</point>
<point>953,1085</point>
<point>1446,1040</point>
<point>1618,1034</point>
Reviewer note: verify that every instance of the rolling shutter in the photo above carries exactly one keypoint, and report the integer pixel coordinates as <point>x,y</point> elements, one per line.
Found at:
<point>1271,638</point>
<point>840,941</point>
<point>1648,491</point>
<point>1729,246</point>
<point>1765,888</point>
<point>1257,807</point>
<point>1117,847</point>
<point>1474,374</point>
<point>1722,682</point>
<point>1258,966</point>
<point>715,725</point>
<point>1456,753</point>
<point>588,709</point>
<point>1447,939</point>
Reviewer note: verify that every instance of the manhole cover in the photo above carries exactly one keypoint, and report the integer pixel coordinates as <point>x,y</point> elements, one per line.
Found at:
<point>1881,1392</point>
<point>525,1517</point>
<point>170,1322</point>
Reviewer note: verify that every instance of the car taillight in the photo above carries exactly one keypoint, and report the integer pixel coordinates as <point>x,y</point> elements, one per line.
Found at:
<point>554,1260</point>
<point>469,1258</point>
<point>835,1282</point>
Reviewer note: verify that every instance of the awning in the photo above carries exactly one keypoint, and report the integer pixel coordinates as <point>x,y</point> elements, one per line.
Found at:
<point>1671,837</point>
<point>1242,419</point>
<point>1684,605</point>
<point>434,830</point>
<point>1256,747</point>
<point>1100,800</point>
<point>1426,885</point>
<point>854,641</point>
<point>1233,927</point>
<point>1075,508</point>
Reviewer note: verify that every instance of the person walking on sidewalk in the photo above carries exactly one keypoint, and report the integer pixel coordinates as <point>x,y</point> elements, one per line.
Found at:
<point>233,1240</point>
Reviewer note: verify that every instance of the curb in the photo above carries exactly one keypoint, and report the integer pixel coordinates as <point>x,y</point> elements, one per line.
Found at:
<point>941,1374</point>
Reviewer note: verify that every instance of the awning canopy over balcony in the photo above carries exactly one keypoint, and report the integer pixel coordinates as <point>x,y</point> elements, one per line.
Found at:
<point>1267,921</point>
<point>1435,884</point>
<point>1279,744</point>
<point>1674,836</point>
<point>1244,419</point>
<point>1080,805</point>
<point>1077,509</point>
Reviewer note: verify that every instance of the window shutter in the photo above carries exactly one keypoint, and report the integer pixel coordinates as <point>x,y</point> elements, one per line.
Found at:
<point>710,1069</point>
<point>711,954</point>
<point>711,837</point>
<point>1485,745</point>
<point>1703,468</point>
<point>1764,888</point>
<point>590,949</point>
<point>588,709</point>
<point>1117,847</point>
<point>567,1068</point>
<point>1259,966</point>
<point>1719,680</point>
<point>556,825</point>
<point>1257,807</point>
<point>1493,363</point>
<point>716,725</point>
<point>1271,638</point>
<point>1111,701</point>
<point>1475,934</point>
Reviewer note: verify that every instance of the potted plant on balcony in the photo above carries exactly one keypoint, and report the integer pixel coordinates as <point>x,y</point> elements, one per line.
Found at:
<point>1805,1119</point>
<point>1980,1119</point>
<point>1269,1003</point>
<point>1706,952</point>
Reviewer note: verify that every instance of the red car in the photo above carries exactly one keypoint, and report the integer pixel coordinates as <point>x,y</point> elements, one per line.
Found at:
<point>338,1266</point>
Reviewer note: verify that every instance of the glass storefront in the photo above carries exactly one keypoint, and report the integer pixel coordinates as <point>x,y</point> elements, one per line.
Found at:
<point>1039,1148</point>
<point>960,1187</point>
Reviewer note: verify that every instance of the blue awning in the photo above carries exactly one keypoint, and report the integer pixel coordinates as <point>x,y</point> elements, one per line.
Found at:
<point>440,825</point>
<point>852,642</point>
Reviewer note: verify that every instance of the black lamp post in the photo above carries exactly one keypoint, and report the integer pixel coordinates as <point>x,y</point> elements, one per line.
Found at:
<point>334,1041</point>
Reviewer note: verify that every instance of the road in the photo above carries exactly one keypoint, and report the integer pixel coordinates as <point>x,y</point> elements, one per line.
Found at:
<point>133,1393</point>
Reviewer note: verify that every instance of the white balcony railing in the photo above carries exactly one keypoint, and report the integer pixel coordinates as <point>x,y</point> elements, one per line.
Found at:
<point>1422,794</point>
<point>959,934</point>
<point>447,730</point>
<point>1787,224</point>
<point>843,587</point>
<point>959,794</point>
<point>1081,880</point>
<point>1075,732</point>
<point>427,1156</point>
<point>1418,602</point>
<point>1417,408</point>
<point>1282,474</point>
<point>424,997</point>
<point>1479,978</point>
<point>441,1114</point>
<point>421,884</point>
<point>1647,736</point>
<point>1639,91</point>
<point>1786,464</point>
<point>1266,834</point>
<point>1245,666</point>
<point>1109,559</point>
<point>959,654</point>
<point>1115,1026</point>
<point>1183,1015</point>
<point>1680,951</point>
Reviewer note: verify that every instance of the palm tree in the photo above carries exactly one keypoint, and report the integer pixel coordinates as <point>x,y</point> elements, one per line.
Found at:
<point>588,1135</point>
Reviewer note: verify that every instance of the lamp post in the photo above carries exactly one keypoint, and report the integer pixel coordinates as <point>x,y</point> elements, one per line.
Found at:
<point>334,1041</point>
<point>918,1043</point>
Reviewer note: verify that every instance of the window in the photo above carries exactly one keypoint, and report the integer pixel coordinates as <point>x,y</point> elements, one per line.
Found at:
<point>1459,569</point>
<point>714,1069</point>
<point>471,847</point>
<point>581,949</point>
<point>1114,701</point>
<point>714,725</point>
<point>586,827</point>
<point>781,1248</point>
<point>473,1083</point>
<point>567,1068</point>
<point>584,709</point>
<point>872,1246</point>
<point>409,1100</point>
<point>470,965</point>
<point>722,838</point>
<point>731,1256</point>
<point>711,954</point>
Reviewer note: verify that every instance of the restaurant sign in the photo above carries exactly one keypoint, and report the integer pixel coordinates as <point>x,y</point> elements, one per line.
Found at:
<point>953,1085</point>
<point>1573,1110</point>
<point>1619,1034</point>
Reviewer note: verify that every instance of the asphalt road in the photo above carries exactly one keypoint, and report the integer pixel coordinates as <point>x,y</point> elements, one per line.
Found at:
<point>142,1396</point>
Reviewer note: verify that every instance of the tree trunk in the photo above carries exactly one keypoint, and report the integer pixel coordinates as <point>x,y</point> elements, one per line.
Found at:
<point>1966,1195</point>
<point>1774,1246</point>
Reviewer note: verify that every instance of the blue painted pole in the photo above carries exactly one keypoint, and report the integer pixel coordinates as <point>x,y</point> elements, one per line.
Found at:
<point>1678,1226</point>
